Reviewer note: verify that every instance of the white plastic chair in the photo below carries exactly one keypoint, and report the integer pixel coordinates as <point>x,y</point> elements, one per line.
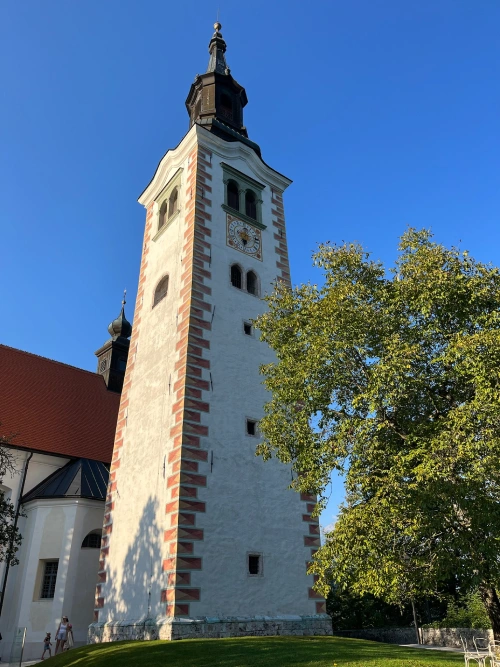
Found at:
<point>482,644</point>
<point>473,656</point>
<point>494,651</point>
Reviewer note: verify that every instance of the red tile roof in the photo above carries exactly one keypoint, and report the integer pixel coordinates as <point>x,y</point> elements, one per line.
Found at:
<point>56,408</point>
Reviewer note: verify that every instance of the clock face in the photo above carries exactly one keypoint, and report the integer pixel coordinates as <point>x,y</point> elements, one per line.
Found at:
<point>244,237</point>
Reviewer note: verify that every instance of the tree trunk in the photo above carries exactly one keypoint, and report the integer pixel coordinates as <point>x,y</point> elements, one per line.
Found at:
<point>490,599</point>
<point>415,620</point>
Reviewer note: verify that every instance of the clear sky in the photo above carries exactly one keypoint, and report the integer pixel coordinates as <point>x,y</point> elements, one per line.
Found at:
<point>385,113</point>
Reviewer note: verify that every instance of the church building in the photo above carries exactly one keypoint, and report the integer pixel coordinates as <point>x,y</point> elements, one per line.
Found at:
<point>59,424</point>
<point>201,537</point>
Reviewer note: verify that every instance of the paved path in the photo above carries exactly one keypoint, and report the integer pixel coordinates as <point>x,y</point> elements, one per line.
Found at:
<point>432,647</point>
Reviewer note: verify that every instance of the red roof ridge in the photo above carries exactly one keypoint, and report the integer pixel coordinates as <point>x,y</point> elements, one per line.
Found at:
<point>53,361</point>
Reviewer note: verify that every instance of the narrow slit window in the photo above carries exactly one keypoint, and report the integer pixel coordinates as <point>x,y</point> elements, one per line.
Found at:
<point>247,328</point>
<point>251,427</point>
<point>160,291</point>
<point>252,283</point>
<point>254,564</point>
<point>49,580</point>
<point>233,195</point>
<point>236,276</point>
<point>251,204</point>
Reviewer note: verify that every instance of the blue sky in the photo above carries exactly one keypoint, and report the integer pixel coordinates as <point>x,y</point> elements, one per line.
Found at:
<point>384,113</point>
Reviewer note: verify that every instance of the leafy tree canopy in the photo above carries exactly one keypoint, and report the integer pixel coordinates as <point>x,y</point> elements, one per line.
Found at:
<point>467,612</point>
<point>392,377</point>
<point>10,537</point>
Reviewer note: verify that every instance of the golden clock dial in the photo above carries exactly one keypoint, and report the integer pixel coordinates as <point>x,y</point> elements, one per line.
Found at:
<point>244,237</point>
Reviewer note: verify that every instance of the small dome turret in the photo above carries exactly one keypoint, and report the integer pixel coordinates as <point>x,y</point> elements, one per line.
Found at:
<point>120,327</point>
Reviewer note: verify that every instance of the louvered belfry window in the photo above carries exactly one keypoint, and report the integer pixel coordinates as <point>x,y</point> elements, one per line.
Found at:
<point>236,276</point>
<point>172,202</point>
<point>233,196</point>
<point>49,579</point>
<point>251,204</point>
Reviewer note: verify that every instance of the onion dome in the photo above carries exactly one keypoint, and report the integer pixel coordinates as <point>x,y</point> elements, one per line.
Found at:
<point>120,327</point>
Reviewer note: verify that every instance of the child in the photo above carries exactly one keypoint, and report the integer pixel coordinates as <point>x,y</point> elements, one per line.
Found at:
<point>46,646</point>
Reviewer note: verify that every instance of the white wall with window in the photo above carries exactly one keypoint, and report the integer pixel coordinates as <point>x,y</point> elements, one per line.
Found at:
<point>59,560</point>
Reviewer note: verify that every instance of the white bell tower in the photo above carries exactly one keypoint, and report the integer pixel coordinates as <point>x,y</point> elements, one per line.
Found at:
<point>201,537</point>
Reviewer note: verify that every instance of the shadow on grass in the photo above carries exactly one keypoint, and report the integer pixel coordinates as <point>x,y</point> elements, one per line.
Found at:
<point>255,652</point>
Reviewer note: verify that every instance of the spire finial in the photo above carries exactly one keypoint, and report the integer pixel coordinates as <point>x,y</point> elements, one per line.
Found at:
<point>124,301</point>
<point>217,48</point>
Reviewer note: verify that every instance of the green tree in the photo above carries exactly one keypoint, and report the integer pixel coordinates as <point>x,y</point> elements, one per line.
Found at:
<point>393,379</point>
<point>10,537</point>
<point>467,612</point>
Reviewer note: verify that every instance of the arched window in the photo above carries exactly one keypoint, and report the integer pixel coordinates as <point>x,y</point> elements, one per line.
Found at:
<point>236,276</point>
<point>92,540</point>
<point>233,196</point>
<point>250,204</point>
<point>226,106</point>
<point>172,202</point>
<point>160,291</point>
<point>163,215</point>
<point>252,284</point>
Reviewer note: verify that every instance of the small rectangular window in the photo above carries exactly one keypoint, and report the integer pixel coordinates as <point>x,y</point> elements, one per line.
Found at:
<point>251,427</point>
<point>247,328</point>
<point>49,579</point>
<point>254,564</point>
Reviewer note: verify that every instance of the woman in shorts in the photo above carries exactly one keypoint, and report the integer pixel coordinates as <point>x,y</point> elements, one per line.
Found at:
<point>62,634</point>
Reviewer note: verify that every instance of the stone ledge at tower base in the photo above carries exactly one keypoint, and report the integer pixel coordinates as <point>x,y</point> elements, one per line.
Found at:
<point>204,627</point>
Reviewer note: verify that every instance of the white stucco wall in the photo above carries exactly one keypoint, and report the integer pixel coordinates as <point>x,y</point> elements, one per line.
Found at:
<point>52,530</point>
<point>249,508</point>
<point>40,466</point>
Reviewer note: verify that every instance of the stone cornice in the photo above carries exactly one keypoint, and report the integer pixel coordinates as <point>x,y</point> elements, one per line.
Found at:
<point>172,161</point>
<point>174,158</point>
<point>236,149</point>
<point>31,505</point>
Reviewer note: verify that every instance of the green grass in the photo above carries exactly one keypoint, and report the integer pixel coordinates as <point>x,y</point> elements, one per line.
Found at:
<point>255,652</point>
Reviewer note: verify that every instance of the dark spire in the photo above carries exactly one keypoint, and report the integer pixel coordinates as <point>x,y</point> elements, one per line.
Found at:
<point>216,100</point>
<point>121,327</point>
<point>217,49</point>
<point>112,356</point>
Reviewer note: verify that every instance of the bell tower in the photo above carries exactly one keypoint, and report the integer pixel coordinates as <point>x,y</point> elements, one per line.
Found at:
<point>200,536</point>
<point>112,356</point>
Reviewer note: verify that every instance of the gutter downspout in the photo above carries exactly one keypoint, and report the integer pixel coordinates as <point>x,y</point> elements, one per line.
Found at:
<point>18,512</point>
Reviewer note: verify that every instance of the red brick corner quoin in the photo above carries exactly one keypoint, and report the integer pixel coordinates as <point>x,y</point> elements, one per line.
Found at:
<point>191,387</point>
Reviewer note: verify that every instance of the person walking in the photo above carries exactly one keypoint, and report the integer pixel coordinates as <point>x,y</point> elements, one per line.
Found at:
<point>62,634</point>
<point>46,646</point>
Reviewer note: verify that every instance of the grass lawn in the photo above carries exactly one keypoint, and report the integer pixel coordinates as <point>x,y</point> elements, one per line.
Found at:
<point>255,652</point>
